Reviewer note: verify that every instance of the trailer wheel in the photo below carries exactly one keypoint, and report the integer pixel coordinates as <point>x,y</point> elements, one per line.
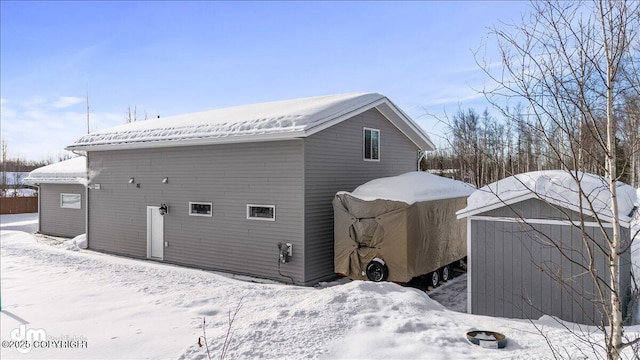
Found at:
<point>377,270</point>
<point>434,279</point>
<point>446,273</point>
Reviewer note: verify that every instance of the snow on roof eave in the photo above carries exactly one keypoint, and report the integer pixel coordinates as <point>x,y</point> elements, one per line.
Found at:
<point>188,142</point>
<point>464,213</point>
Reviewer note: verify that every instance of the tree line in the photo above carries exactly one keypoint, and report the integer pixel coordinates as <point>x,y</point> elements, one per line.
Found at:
<point>482,149</point>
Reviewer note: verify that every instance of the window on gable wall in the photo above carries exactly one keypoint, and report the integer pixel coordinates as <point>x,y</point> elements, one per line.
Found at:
<point>371,143</point>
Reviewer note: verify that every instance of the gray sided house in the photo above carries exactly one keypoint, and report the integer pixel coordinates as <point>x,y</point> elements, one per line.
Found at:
<point>237,184</point>
<point>61,197</point>
<point>526,254</point>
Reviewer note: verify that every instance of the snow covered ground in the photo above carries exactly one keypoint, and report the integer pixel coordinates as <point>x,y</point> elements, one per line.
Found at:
<point>115,307</point>
<point>20,222</point>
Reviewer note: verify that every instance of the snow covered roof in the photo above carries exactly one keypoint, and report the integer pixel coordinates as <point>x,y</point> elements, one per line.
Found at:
<point>72,171</point>
<point>257,122</point>
<point>557,187</point>
<point>412,187</point>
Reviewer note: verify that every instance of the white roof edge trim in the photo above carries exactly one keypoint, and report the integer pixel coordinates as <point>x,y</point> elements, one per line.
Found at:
<point>325,125</point>
<point>415,127</point>
<point>61,181</point>
<point>374,105</point>
<point>534,221</point>
<point>461,214</point>
<point>190,142</point>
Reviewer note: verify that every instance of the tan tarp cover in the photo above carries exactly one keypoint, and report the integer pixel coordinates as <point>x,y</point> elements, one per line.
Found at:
<point>412,239</point>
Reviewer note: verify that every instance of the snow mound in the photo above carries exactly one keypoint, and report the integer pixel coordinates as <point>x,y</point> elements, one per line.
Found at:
<point>141,309</point>
<point>72,171</point>
<point>293,117</point>
<point>77,243</point>
<point>412,187</point>
<point>557,187</point>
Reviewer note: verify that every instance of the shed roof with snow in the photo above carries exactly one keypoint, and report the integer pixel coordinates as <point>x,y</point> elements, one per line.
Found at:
<point>279,120</point>
<point>72,171</point>
<point>556,187</point>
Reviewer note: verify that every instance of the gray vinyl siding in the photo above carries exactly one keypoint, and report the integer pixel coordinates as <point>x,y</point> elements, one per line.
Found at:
<point>334,162</point>
<point>229,176</point>
<point>55,220</point>
<point>536,209</point>
<point>516,271</point>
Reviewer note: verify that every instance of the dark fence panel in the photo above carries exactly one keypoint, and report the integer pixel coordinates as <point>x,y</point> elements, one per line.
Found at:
<point>18,205</point>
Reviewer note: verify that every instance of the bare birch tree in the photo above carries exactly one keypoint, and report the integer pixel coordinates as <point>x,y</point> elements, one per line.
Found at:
<point>573,64</point>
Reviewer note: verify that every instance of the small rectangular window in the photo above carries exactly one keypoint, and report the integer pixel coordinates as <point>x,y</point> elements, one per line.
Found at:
<point>70,201</point>
<point>371,143</point>
<point>200,209</point>
<point>261,212</point>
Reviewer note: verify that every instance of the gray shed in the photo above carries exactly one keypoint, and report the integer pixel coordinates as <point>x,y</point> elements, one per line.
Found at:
<point>526,255</point>
<point>61,197</point>
<point>239,185</point>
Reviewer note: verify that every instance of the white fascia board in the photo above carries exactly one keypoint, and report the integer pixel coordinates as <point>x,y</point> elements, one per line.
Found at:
<point>460,214</point>
<point>415,127</point>
<point>541,221</point>
<point>189,142</point>
<point>53,181</point>
<point>517,199</point>
<point>399,116</point>
<point>327,124</point>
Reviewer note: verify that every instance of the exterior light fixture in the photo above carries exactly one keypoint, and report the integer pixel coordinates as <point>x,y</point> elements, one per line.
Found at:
<point>163,209</point>
<point>165,180</point>
<point>131,180</point>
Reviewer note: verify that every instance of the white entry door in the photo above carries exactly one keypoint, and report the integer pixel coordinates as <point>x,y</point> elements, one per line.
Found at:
<point>155,233</point>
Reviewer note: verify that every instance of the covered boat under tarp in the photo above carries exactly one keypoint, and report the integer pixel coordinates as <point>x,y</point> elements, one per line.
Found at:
<point>406,222</point>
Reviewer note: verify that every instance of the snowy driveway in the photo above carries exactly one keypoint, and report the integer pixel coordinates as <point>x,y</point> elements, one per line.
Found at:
<point>125,308</point>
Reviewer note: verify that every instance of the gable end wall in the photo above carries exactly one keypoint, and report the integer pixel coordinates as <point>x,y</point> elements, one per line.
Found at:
<point>57,221</point>
<point>515,269</point>
<point>334,162</point>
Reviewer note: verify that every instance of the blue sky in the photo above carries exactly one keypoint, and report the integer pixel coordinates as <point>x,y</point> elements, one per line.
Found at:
<point>171,58</point>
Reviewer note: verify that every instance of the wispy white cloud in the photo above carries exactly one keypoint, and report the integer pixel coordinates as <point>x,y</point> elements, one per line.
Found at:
<point>66,101</point>
<point>41,127</point>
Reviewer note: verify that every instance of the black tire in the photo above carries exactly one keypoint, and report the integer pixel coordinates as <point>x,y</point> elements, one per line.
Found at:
<point>377,270</point>
<point>445,273</point>
<point>434,278</point>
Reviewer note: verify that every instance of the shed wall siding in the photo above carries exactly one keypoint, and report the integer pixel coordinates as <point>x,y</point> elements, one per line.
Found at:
<point>535,209</point>
<point>229,176</point>
<point>57,221</point>
<point>334,162</point>
<point>517,271</point>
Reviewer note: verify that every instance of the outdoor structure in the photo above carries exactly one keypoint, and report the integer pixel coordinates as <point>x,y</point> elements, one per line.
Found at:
<point>61,197</point>
<point>400,227</point>
<point>245,189</point>
<point>526,251</point>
